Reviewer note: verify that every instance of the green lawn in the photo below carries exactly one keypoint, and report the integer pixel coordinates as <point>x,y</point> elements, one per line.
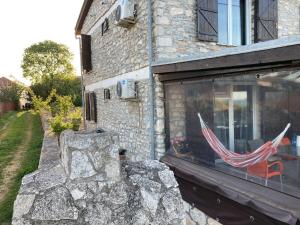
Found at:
<point>6,118</point>
<point>16,131</point>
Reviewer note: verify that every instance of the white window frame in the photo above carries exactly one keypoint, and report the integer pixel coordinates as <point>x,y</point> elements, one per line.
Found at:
<point>248,6</point>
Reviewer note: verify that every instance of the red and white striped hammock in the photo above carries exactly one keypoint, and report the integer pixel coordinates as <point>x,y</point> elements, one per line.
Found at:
<point>241,160</point>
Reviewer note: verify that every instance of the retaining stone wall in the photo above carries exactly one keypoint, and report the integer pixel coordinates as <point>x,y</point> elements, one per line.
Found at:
<point>92,186</point>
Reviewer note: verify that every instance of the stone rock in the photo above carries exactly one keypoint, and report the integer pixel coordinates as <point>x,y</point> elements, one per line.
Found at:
<point>23,205</point>
<point>150,200</point>
<point>173,204</point>
<point>118,194</point>
<point>98,215</point>
<point>198,216</point>
<point>81,167</point>
<point>112,170</point>
<point>77,194</point>
<point>168,179</point>
<point>55,205</point>
<point>49,178</point>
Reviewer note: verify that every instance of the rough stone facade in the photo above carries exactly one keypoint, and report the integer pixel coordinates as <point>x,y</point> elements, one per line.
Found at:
<point>119,50</point>
<point>288,18</point>
<point>175,30</point>
<point>122,50</point>
<point>129,118</point>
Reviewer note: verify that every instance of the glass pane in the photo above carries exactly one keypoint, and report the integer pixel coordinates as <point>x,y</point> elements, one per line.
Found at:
<point>223,21</point>
<point>243,126</point>
<point>236,23</point>
<point>242,114</point>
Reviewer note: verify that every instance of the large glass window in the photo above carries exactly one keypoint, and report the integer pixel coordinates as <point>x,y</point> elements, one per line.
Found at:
<point>243,113</point>
<point>231,22</point>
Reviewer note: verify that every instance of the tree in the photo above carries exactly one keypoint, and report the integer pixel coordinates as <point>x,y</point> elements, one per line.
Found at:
<point>47,60</point>
<point>49,66</point>
<point>11,93</point>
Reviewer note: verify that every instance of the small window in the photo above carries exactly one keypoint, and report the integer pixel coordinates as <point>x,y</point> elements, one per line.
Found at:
<point>231,22</point>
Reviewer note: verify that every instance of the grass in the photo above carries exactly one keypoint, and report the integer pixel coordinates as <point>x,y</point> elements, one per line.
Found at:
<point>29,162</point>
<point>15,134</point>
<point>6,118</point>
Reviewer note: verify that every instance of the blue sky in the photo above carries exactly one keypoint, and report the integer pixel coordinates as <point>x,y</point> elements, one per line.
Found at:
<point>24,22</point>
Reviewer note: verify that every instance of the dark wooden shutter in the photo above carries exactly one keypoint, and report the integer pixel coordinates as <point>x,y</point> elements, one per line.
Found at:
<point>207,20</point>
<point>93,106</point>
<point>266,20</point>
<point>87,107</point>
<point>86,53</point>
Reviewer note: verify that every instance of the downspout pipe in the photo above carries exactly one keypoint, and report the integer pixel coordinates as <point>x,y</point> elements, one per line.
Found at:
<point>151,80</point>
<point>81,81</point>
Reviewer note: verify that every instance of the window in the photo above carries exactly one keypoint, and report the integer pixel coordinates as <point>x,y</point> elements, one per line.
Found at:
<point>91,106</point>
<point>231,22</point>
<point>227,22</point>
<point>243,112</point>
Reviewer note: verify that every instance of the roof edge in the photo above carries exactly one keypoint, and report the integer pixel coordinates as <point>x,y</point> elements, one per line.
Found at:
<point>83,13</point>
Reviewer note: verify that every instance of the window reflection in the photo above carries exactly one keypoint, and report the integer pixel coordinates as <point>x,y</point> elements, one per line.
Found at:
<point>244,112</point>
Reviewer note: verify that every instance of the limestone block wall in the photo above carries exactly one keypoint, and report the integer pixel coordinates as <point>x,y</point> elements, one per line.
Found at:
<point>175,30</point>
<point>129,118</point>
<point>288,17</point>
<point>119,50</point>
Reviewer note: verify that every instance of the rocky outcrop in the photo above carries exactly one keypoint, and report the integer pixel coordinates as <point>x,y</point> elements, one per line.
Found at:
<point>91,185</point>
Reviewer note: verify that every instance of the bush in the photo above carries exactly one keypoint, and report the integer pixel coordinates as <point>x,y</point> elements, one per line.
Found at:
<point>65,114</point>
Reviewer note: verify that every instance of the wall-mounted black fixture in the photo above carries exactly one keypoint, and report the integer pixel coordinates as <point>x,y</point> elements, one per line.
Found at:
<point>106,94</point>
<point>105,26</point>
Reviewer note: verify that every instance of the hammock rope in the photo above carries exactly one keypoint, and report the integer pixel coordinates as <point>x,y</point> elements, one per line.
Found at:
<point>241,160</point>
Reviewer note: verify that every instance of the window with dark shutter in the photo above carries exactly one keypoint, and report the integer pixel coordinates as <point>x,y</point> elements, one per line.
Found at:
<point>266,20</point>
<point>207,20</point>
<point>86,53</point>
<point>93,106</point>
<point>87,107</point>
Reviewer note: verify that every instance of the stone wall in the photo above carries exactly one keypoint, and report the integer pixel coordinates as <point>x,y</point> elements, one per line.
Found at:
<point>92,186</point>
<point>129,118</point>
<point>288,17</point>
<point>175,30</point>
<point>119,50</point>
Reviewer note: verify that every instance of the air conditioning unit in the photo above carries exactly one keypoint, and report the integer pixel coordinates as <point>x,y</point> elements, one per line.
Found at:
<point>126,89</point>
<point>125,13</point>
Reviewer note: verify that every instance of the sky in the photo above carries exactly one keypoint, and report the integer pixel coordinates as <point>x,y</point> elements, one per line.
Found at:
<point>25,22</point>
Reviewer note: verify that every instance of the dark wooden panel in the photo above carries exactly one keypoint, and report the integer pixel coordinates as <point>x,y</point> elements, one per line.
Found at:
<point>86,53</point>
<point>87,107</point>
<point>268,202</point>
<point>207,11</point>
<point>220,208</point>
<point>264,57</point>
<point>266,20</point>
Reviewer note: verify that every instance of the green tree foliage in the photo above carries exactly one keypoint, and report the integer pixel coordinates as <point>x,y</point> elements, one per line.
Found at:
<point>11,93</point>
<point>65,114</point>
<point>49,66</point>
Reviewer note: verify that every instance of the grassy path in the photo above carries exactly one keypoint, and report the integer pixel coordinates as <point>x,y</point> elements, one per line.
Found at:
<point>11,169</point>
<point>19,155</point>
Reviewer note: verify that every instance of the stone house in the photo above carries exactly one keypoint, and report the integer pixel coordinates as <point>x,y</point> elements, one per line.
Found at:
<point>233,61</point>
